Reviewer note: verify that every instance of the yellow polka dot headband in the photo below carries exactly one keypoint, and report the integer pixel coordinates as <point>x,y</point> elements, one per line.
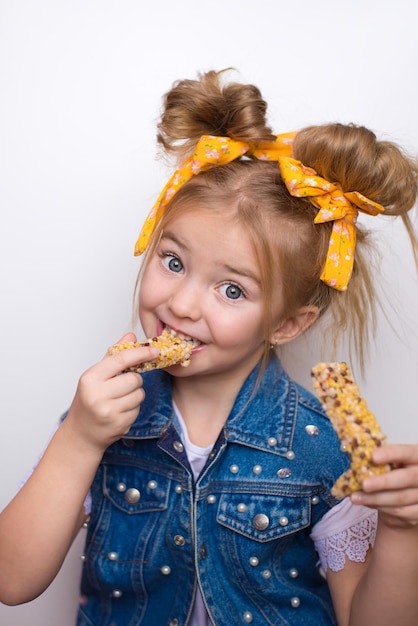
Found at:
<point>334,205</point>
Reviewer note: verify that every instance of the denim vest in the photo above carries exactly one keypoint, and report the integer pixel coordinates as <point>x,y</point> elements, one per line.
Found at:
<point>240,532</point>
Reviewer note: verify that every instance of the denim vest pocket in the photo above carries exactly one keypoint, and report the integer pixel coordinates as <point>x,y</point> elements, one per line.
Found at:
<point>264,517</point>
<point>121,558</point>
<point>135,492</point>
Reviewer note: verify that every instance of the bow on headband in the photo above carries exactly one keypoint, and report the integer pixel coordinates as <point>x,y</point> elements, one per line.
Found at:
<point>210,152</point>
<point>334,205</point>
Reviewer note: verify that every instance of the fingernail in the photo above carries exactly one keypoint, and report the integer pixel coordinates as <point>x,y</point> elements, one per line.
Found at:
<point>357,497</point>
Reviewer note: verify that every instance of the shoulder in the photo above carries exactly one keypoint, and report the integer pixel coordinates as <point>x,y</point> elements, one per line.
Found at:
<point>309,405</point>
<point>308,399</point>
<point>316,439</point>
<point>312,419</point>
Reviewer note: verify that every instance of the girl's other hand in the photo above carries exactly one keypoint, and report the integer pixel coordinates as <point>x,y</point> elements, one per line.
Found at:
<point>106,404</point>
<point>395,493</point>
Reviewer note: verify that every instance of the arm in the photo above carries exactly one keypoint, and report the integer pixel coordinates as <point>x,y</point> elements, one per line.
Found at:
<point>39,525</point>
<point>384,589</point>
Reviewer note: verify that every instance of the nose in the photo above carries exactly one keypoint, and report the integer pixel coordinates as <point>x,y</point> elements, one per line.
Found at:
<point>185,301</point>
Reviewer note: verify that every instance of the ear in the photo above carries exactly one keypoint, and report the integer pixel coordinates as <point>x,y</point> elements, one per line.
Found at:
<point>295,325</point>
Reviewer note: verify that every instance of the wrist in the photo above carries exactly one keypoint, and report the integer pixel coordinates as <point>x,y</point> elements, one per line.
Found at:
<point>78,442</point>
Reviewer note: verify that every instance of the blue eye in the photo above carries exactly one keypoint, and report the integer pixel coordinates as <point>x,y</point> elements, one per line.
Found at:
<point>232,291</point>
<point>173,263</point>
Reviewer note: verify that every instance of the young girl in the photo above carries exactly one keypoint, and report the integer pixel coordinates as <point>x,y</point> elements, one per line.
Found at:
<point>213,505</point>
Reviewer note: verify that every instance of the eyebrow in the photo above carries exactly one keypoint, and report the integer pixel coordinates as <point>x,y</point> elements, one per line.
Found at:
<point>242,272</point>
<point>229,268</point>
<point>166,234</point>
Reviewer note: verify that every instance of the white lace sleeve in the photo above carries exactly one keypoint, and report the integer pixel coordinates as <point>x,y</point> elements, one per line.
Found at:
<point>346,532</point>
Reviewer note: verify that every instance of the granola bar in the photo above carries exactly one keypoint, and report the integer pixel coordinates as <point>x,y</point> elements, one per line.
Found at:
<point>354,423</point>
<point>173,349</point>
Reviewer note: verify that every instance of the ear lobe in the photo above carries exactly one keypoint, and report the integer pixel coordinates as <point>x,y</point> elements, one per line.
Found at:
<point>295,325</point>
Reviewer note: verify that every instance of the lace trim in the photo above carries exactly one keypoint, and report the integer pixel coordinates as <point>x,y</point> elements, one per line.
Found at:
<point>352,543</point>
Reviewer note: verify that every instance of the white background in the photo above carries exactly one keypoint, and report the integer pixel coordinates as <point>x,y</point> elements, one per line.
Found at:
<point>80,93</point>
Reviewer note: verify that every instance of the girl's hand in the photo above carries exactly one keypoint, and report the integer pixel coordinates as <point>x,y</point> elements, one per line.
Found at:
<point>395,493</point>
<point>107,401</point>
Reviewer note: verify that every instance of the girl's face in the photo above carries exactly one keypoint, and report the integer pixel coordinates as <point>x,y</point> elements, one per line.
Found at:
<point>203,281</point>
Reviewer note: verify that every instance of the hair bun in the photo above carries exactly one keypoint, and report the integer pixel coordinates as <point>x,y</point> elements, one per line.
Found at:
<point>211,106</point>
<point>353,157</point>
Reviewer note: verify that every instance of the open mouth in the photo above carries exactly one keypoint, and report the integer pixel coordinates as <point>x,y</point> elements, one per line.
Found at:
<point>194,343</point>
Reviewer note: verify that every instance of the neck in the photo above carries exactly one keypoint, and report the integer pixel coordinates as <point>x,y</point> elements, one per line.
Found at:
<point>205,405</point>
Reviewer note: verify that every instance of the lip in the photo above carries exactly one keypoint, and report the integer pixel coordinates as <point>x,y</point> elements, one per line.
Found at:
<point>181,334</point>
<point>199,348</point>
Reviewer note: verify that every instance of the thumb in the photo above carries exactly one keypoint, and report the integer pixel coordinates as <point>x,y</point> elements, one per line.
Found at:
<point>128,337</point>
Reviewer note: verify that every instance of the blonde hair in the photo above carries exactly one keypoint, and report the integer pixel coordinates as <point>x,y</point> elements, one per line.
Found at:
<point>282,227</point>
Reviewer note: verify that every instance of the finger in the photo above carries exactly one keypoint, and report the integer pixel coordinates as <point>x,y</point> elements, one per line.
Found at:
<point>125,384</point>
<point>123,414</point>
<point>121,361</point>
<point>399,516</point>
<point>127,337</point>
<point>399,478</point>
<point>129,402</point>
<point>395,499</point>
<point>401,454</point>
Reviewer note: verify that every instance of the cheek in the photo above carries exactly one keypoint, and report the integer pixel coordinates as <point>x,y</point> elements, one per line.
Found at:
<point>147,288</point>
<point>231,330</point>
<point>147,295</point>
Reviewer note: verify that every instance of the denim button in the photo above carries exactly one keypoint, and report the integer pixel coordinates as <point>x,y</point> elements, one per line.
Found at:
<point>178,446</point>
<point>179,540</point>
<point>261,521</point>
<point>132,496</point>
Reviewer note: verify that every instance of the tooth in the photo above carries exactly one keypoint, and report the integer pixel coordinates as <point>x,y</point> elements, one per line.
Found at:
<point>181,336</point>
